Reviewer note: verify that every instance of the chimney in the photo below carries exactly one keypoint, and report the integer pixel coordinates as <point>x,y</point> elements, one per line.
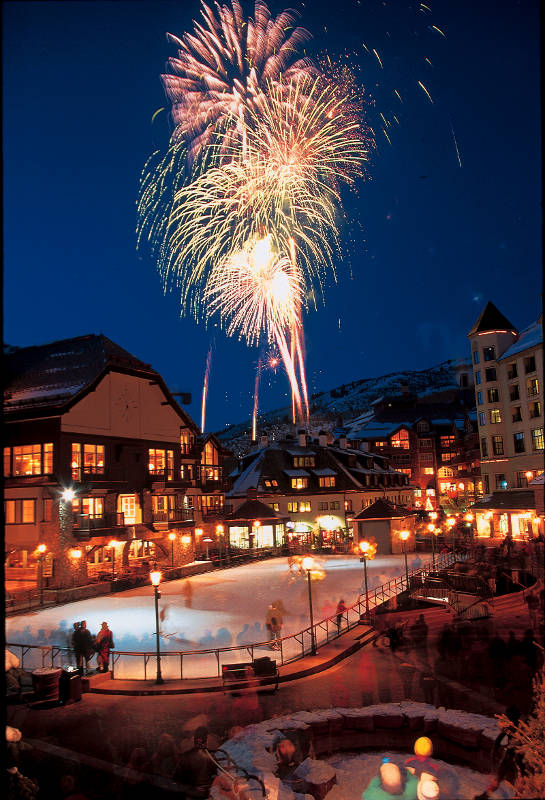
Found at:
<point>302,438</point>
<point>264,440</point>
<point>342,442</point>
<point>322,439</point>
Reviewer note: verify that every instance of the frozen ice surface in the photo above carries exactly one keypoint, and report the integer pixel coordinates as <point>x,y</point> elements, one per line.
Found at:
<point>217,609</point>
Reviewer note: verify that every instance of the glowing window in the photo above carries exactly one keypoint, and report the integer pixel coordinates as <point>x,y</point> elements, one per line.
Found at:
<point>400,439</point>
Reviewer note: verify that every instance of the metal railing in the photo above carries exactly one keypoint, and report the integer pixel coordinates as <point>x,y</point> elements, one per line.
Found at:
<point>109,519</point>
<point>208,662</point>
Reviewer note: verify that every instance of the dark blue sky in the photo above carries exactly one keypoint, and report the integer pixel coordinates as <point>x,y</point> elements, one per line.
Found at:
<point>81,82</point>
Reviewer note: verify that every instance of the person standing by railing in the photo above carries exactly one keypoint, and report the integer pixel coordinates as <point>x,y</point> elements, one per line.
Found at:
<point>341,608</point>
<point>104,643</point>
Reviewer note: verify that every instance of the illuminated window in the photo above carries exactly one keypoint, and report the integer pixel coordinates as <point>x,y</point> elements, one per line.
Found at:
<point>428,470</point>
<point>489,353</point>
<point>93,459</point>
<point>400,439</point>
<point>484,447</point>
<point>187,441</point>
<point>29,459</point>
<point>304,505</point>
<point>381,444</point>
<point>493,396</point>
<point>534,410</point>
<point>430,492</point>
<point>448,456</point>
<point>170,465</point>
<point>270,483</point>
<point>348,505</point>
<point>405,471</point>
<point>293,506</point>
<point>497,445</point>
<point>299,483</point>
<point>275,506</point>
<point>495,416</point>
<point>537,439</point>
<point>447,441</point>
<point>303,461</point>
<point>532,387</point>
<point>20,512</point>
<point>327,481</point>
<point>156,461</point>
<point>418,492</point>
<point>76,461</point>
<point>92,507</point>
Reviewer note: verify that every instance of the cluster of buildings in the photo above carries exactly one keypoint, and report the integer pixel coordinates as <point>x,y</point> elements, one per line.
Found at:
<point>104,472</point>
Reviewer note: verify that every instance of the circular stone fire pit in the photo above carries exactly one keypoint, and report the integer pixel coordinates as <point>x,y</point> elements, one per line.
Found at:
<point>338,749</point>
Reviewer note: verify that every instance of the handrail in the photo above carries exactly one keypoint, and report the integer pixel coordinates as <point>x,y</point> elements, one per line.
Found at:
<point>352,616</point>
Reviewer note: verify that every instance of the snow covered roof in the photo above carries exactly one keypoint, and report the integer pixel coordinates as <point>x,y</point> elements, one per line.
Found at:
<point>297,473</point>
<point>249,478</point>
<point>300,451</point>
<point>529,337</point>
<point>51,375</point>
<point>512,499</point>
<point>323,472</point>
<point>383,509</point>
<point>375,430</point>
<point>254,510</point>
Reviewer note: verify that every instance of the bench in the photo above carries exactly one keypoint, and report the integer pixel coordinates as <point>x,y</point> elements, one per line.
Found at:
<point>250,673</point>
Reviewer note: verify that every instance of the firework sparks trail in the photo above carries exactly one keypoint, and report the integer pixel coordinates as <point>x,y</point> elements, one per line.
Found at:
<point>256,292</point>
<point>205,387</point>
<point>456,145</point>
<point>224,65</point>
<point>256,400</point>
<point>425,90</point>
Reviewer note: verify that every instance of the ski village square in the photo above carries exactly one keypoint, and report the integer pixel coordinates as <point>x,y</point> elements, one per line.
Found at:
<point>273,470</point>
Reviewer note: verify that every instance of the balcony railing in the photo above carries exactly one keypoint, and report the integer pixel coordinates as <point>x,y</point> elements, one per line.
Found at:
<point>174,515</point>
<point>91,522</point>
<point>212,513</point>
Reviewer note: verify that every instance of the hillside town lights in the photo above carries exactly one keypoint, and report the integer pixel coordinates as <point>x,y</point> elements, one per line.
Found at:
<point>172,536</point>
<point>404,535</point>
<point>41,551</point>
<point>155,578</point>
<point>308,561</point>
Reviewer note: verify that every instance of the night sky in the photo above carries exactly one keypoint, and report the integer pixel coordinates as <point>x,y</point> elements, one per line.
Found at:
<point>428,242</point>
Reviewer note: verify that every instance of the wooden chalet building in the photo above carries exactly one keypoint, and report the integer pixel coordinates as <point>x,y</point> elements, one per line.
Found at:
<point>102,467</point>
<point>320,486</point>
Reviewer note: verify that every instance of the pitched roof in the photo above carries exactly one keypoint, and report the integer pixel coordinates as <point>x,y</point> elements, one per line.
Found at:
<point>529,337</point>
<point>383,509</point>
<point>516,499</point>
<point>44,378</point>
<point>255,510</point>
<point>491,319</point>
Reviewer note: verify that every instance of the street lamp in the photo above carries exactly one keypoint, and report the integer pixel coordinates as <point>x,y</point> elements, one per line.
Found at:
<point>172,536</point>
<point>207,541</point>
<point>308,561</point>
<point>451,522</point>
<point>155,578</point>
<point>219,535</point>
<point>112,544</point>
<point>368,549</point>
<point>41,550</point>
<point>404,535</point>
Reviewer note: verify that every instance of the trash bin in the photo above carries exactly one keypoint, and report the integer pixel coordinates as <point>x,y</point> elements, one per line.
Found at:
<point>45,682</point>
<point>70,685</point>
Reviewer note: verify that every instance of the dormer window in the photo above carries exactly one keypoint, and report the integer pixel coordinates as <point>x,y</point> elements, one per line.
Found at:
<point>299,483</point>
<point>270,483</point>
<point>327,481</point>
<point>303,461</point>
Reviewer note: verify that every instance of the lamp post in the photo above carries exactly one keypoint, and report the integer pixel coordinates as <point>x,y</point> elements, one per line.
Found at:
<point>308,561</point>
<point>172,536</point>
<point>364,547</point>
<point>431,528</point>
<point>219,536</point>
<point>207,541</point>
<point>451,522</point>
<point>404,535</point>
<point>41,550</point>
<point>112,544</point>
<point>155,578</point>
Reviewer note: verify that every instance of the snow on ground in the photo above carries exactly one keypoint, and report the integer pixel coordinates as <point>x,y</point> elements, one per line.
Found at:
<point>217,609</point>
<point>355,770</point>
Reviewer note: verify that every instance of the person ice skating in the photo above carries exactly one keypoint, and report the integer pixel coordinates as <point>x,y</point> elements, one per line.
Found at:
<point>273,623</point>
<point>104,643</point>
<point>195,770</point>
<point>391,782</point>
<point>341,608</point>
